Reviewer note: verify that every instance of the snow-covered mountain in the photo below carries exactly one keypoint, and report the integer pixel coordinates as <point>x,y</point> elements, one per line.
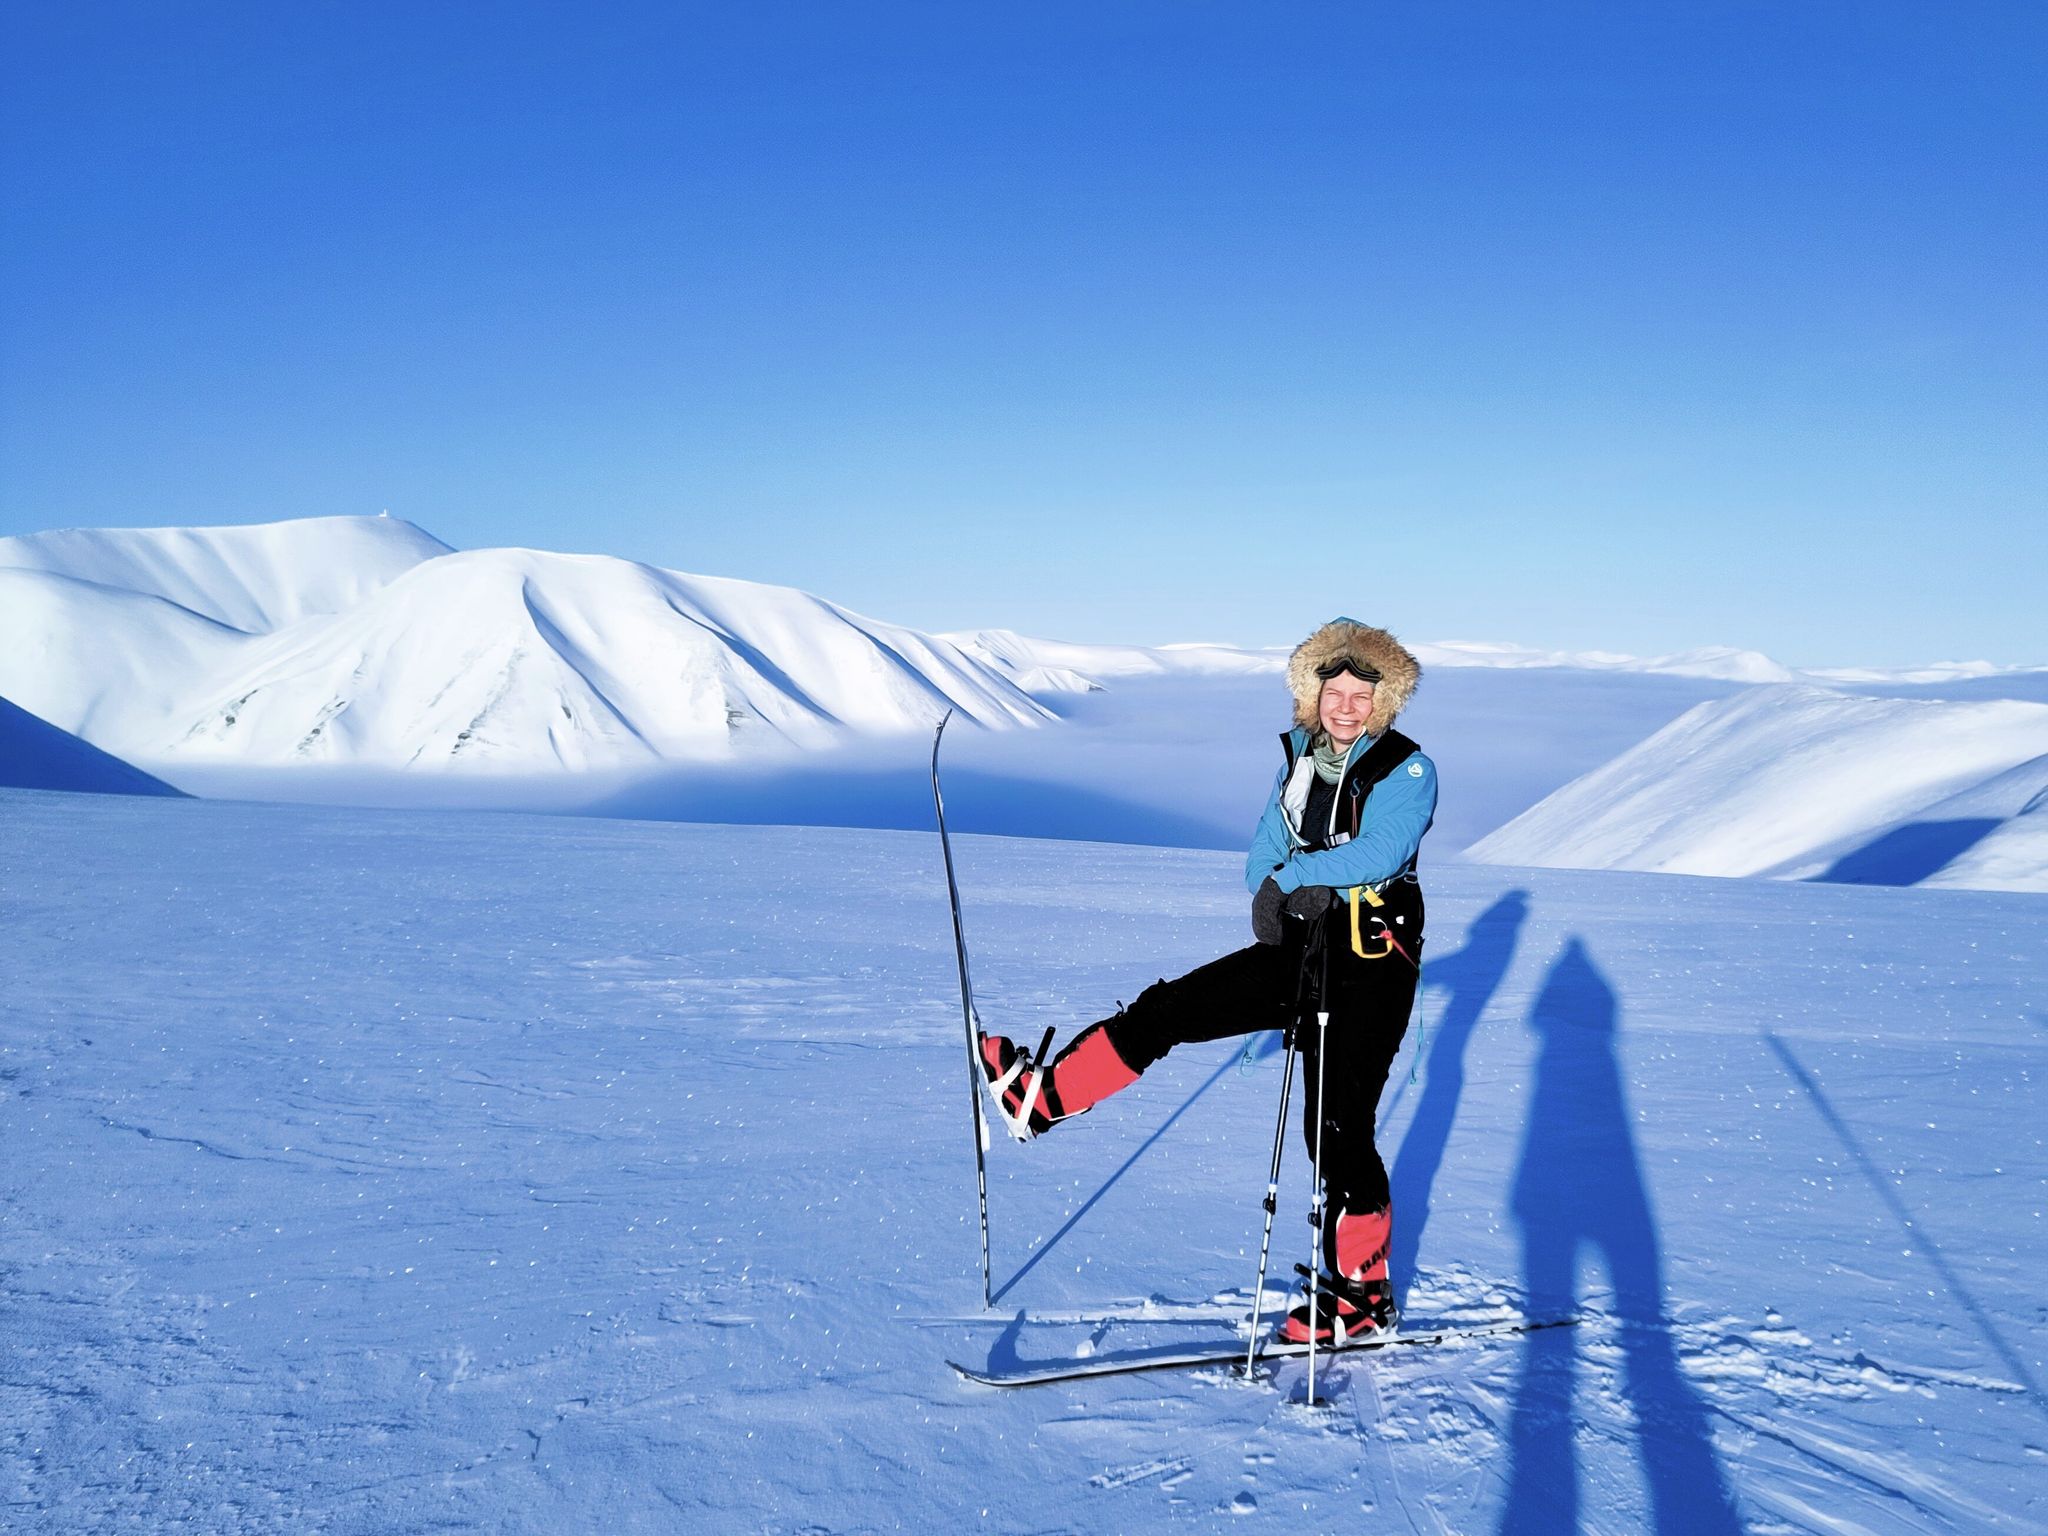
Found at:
<point>2011,854</point>
<point>1721,662</point>
<point>1797,783</point>
<point>254,578</point>
<point>365,642</point>
<point>34,754</point>
<point>1061,666</point>
<point>516,658</point>
<point>233,659</point>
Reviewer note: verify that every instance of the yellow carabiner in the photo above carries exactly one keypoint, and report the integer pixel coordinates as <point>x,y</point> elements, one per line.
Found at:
<point>1357,940</point>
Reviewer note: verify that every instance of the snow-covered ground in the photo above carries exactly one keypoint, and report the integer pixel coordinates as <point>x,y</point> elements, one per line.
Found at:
<point>380,1171</point>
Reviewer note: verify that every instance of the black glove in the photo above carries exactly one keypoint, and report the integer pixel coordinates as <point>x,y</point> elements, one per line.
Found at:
<point>1310,901</point>
<point>1266,907</point>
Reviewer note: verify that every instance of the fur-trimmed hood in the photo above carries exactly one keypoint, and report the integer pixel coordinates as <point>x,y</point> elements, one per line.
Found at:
<point>1399,671</point>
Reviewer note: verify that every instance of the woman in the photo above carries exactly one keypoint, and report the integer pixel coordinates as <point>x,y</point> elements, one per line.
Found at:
<point>1332,872</point>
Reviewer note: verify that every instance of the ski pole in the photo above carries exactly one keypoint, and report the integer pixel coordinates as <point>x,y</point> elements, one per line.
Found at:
<point>1272,1200</point>
<point>966,1010</point>
<point>1302,973</point>
<point>1315,1213</point>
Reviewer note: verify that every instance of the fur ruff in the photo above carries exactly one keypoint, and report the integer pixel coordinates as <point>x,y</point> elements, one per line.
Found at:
<point>1399,671</point>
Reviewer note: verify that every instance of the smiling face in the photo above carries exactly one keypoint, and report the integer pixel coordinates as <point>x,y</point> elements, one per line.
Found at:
<point>1345,704</point>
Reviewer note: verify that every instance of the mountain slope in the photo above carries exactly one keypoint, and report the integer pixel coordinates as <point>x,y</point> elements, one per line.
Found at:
<point>1061,666</point>
<point>365,642</point>
<point>513,660</point>
<point>1782,781</point>
<point>106,663</point>
<point>255,577</point>
<point>34,754</point>
<point>2011,854</point>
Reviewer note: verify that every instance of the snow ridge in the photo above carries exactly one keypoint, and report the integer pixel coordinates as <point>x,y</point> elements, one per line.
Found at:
<point>1796,783</point>
<point>365,642</point>
<point>254,578</point>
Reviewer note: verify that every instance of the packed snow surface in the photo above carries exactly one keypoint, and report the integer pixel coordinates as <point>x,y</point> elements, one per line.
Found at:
<point>377,1171</point>
<point>1797,783</point>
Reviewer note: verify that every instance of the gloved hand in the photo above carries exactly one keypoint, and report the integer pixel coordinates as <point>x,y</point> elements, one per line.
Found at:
<point>1266,908</point>
<point>1310,901</point>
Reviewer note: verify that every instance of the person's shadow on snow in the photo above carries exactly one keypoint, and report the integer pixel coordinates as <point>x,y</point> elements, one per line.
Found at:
<point>1472,974</point>
<point>1580,1187</point>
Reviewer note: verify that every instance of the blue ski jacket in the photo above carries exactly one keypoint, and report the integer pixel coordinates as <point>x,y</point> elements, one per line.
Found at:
<point>1398,810</point>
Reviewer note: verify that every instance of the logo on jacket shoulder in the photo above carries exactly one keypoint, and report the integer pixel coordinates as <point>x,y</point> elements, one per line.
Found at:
<point>1415,770</point>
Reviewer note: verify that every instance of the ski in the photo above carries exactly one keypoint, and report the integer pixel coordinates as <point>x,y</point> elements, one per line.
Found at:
<point>974,1077</point>
<point>1047,1372</point>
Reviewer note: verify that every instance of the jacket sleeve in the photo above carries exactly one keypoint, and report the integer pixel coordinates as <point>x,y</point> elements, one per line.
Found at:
<point>1397,813</point>
<point>1270,842</point>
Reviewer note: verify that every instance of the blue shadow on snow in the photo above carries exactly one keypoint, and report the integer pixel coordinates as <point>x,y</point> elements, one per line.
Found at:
<point>1107,1184</point>
<point>828,794</point>
<point>1909,854</point>
<point>1580,1187</point>
<point>1912,1226</point>
<point>1472,975</point>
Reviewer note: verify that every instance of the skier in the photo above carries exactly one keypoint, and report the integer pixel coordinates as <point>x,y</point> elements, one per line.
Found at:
<point>1332,872</point>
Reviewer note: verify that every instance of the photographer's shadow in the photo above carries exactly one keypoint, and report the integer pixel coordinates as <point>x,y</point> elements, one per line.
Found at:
<point>1580,1188</point>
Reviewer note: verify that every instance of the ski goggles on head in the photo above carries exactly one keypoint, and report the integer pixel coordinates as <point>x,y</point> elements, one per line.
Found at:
<point>1364,671</point>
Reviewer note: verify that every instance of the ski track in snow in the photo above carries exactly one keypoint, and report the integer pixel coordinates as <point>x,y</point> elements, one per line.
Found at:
<point>373,1171</point>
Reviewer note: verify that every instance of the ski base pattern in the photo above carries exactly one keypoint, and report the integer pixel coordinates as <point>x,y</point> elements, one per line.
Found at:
<point>1046,1372</point>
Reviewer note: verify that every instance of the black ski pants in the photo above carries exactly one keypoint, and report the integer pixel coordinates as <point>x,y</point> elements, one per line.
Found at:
<point>1267,986</point>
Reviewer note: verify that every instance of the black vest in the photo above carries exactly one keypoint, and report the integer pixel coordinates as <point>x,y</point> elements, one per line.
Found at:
<point>1403,896</point>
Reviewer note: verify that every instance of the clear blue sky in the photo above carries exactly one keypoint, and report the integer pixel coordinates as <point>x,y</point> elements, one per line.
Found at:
<point>1635,326</point>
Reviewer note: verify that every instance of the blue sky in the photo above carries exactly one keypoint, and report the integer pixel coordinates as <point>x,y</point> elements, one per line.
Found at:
<point>1641,327</point>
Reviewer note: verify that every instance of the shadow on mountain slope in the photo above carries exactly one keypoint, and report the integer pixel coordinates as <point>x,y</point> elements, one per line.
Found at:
<point>1909,854</point>
<point>35,754</point>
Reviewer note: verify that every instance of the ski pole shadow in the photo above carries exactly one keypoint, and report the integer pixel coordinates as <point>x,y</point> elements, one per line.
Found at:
<point>1913,1227</point>
<point>1472,974</point>
<point>1109,1183</point>
<point>1580,1187</point>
